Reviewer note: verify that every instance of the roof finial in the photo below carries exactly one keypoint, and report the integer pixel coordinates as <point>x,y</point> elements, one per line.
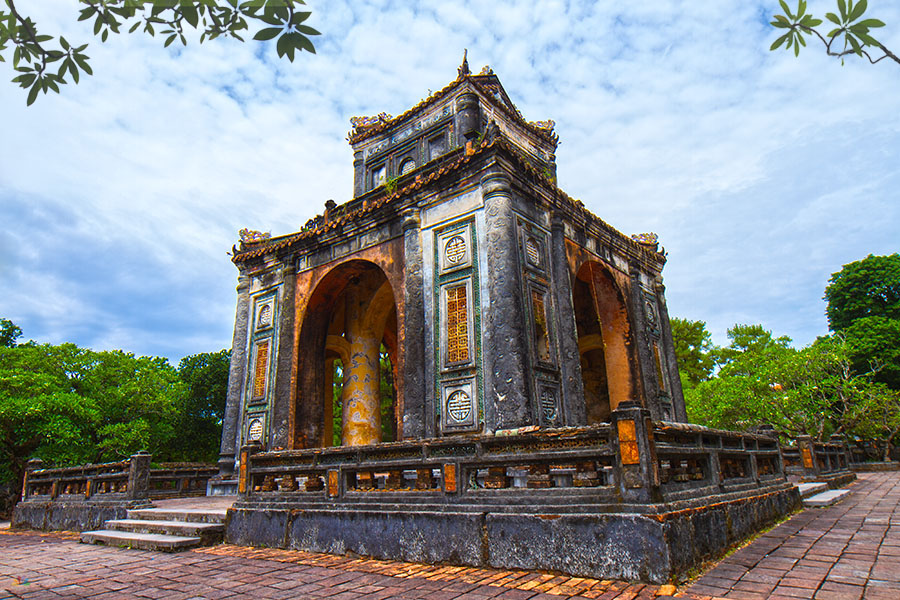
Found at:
<point>464,67</point>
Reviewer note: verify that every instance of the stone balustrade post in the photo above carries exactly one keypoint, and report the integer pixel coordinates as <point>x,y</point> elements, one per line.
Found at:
<point>847,457</point>
<point>807,448</point>
<point>139,475</point>
<point>244,479</point>
<point>635,453</point>
<point>32,465</point>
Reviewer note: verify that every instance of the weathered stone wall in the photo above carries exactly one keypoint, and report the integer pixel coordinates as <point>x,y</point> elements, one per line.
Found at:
<point>653,546</point>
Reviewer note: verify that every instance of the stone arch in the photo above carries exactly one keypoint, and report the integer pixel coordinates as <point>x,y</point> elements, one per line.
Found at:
<point>349,314</point>
<point>604,341</point>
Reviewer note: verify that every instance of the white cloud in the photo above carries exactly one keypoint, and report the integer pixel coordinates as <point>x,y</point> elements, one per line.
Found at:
<point>763,173</point>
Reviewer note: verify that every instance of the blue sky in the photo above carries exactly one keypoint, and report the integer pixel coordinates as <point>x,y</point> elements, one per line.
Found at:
<point>761,173</point>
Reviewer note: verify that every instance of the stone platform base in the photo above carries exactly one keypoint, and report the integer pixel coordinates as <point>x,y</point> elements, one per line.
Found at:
<point>70,515</point>
<point>654,544</point>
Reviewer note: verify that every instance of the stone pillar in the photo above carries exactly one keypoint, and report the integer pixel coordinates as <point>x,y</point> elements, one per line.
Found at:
<point>643,370</point>
<point>283,395</point>
<point>808,456</point>
<point>468,119</point>
<point>360,398</point>
<point>573,407</point>
<point>667,347</point>
<point>32,465</point>
<point>635,453</point>
<point>507,401</point>
<point>361,410</point>
<point>413,342</point>
<point>139,475</point>
<point>244,479</point>
<point>842,440</point>
<point>359,174</point>
<point>231,434</point>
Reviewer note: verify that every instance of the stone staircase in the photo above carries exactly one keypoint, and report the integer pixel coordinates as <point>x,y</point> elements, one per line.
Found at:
<point>817,494</point>
<point>163,529</point>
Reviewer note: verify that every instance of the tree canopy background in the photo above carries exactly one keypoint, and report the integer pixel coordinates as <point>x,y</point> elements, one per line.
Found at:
<point>843,383</point>
<point>69,405</point>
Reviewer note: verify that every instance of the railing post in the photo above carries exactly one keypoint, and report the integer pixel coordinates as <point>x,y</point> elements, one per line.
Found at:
<point>842,441</point>
<point>139,475</point>
<point>32,465</point>
<point>808,460</point>
<point>244,476</point>
<point>632,431</point>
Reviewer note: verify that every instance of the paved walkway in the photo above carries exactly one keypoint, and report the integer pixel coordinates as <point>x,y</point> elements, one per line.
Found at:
<point>850,550</point>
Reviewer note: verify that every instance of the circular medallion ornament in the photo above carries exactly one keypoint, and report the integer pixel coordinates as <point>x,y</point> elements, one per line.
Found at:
<point>455,250</point>
<point>407,166</point>
<point>255,432</point>
<point>459,406</point>
<point>265,316</point>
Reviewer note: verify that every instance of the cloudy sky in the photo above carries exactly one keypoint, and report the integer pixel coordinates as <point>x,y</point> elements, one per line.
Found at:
<point>761,173</point>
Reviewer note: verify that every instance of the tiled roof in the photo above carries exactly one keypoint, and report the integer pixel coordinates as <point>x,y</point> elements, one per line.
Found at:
<point>483,83</point>
<point>261,248</point>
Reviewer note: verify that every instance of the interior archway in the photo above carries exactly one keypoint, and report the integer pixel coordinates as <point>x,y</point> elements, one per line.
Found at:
<point>348,350</point>
<point>601,321</point>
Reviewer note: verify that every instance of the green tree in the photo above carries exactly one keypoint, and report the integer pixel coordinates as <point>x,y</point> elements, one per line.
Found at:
<point>200,410</point>
<point>44,62</point>
<point>694,350</point>
<point>811,391</point>
<point>866,288</point>
<point>68,405</point>
<point>874,346</point>
<point>9,333</point>
<point>850,35</point>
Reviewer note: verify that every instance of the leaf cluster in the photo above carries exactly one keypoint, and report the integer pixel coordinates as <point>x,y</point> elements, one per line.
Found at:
<point>852,34</point>
<point>45,62</point>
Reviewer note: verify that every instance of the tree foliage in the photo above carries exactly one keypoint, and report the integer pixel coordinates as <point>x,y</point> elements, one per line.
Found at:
<point>864,305</point>
<point>68,405</point>
<point>694,350</point>
<point>9,333</point>
<point>810,391</point>
<point>45,62</point>
<point>851,34</point>
<point>200,409</point>
<point>866,288</point>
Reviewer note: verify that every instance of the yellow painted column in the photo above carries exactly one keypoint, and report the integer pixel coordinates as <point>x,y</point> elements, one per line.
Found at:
<point>361,416</point>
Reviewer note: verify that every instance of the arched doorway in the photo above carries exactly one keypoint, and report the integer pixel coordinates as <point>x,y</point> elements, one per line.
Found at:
<point>601,321</point>
<point>347,359</point>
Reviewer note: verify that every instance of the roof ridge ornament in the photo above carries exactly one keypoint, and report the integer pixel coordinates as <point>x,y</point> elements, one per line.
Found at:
<point>549,124</point>
<point>463,69</point>
<point>251,236</point>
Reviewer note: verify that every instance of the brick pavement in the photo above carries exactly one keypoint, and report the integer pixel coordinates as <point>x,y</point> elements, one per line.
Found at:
<point>56,566</point>
<point>848,551</point>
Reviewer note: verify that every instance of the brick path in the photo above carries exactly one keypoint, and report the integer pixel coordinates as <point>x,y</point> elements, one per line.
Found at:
<point>56,566</point>
<point>851,550</point>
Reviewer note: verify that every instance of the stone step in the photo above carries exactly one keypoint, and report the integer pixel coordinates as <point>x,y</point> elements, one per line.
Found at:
<point>210,533</point>
<point>825,498</point>
<point>188,515</point>
<point>143,541</point>
<point>811,488</point>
